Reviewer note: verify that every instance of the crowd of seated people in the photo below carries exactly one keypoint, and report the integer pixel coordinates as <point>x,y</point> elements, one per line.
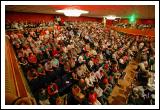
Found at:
<point>30,24</point>
<point>136,26</point>
<point>79,59</point>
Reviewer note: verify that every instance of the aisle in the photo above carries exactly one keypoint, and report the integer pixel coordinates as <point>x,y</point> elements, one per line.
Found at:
<point>120,93</point>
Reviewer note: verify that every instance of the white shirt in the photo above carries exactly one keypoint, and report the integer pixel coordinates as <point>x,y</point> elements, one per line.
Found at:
<point>121,61</point>
<point>93,52</point>
<point>88,82</point>
<point>91,63</point>
<point>99,91</point>
<point>80,59</point>
<point>98,74</point>
<point>93,78</point>
<point>141,45</point>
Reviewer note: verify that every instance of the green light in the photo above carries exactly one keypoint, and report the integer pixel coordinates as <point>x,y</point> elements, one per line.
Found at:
<point>132,18</point>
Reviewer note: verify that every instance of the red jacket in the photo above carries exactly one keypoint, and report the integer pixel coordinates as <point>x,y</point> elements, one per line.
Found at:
<point>54,52</point>
<point>32,59</point>
<point>95,60</point>
<point>92,97</point>
<point>105,80</point>
<point>53,86</point>
<point>106,66</point>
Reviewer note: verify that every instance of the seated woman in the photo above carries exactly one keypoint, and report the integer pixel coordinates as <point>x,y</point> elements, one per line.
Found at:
<point>107,87</point>
<point>48,67</point>
<point>74,76</point>
<point>92,98</point>
<point>81,59</point>
<point>76,91</point>
<point>89,81</point>
<point>20,54</point>
<point>82,84</point>
<point>67,67</point>
<point>72,63</point>
<point>55,62</point>
<point>32,59</point>
<point>41,70</point>
<point>27,50</point>
<point>32,74</point>
<point>24,64</point>
<point>143,74</point>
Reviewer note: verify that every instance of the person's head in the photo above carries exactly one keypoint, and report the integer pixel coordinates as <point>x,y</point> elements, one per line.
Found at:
<point>97,85</point>
<point>82,81</point>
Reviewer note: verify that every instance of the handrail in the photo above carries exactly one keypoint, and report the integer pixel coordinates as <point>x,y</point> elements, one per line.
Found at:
<point>19,83</point>
<point>10,78</point>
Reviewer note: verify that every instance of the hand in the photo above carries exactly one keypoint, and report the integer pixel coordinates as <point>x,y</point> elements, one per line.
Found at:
<point>26,101</point>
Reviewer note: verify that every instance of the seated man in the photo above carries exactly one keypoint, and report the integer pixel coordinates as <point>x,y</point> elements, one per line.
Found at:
<point>101,97</point>
<point>84,68</point>
<point>144,74</point>
<point>107,87</point>
<point>48,66</point>
<point>93,77</point>
<point>99,74</point>
<point>43,97</point>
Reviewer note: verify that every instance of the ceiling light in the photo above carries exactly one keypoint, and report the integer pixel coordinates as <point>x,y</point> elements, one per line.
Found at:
<point>72,12</point>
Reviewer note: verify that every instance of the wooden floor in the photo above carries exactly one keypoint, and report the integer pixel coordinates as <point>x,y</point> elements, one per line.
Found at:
<point>119,95</point>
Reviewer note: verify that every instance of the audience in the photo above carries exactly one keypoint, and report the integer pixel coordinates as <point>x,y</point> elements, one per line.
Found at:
<point>81,51</point>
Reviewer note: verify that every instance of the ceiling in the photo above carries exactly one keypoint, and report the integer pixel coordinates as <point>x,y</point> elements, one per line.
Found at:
<point>123,11</point>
